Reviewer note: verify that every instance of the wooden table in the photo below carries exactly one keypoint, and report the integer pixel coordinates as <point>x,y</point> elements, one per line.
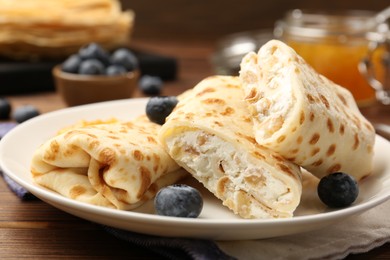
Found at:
<point>36,230</point>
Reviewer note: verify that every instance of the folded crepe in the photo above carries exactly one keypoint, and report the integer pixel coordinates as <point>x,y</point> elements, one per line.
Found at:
<point>210,134</point>
<point>116,165</point>
<point>304,116</point>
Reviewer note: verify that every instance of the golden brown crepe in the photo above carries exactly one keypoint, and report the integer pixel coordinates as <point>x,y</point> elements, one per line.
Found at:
<point>117,165</point>
<point>304,116</point>
<point>210,134</point>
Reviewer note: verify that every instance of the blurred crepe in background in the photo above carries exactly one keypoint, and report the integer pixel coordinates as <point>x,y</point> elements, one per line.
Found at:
<point>41,29</point>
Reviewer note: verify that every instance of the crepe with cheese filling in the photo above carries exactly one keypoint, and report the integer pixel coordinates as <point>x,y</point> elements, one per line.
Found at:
<point>118,165</point>
<point>210,134</point>
<point>304,116</point>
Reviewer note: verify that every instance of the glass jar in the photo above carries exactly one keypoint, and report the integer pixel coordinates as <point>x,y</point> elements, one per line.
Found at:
<point>334,44</point>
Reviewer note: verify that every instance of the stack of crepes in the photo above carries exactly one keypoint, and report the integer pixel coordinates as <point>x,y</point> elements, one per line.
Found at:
<point>50,29</point>
<point>245,138</point>
<point>117,165</point>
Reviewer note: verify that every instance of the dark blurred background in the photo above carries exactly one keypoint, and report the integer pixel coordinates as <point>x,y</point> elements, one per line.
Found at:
<point>197,20</point>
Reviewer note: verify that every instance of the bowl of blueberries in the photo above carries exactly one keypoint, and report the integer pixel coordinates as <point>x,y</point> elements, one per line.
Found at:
<point>95,75</point>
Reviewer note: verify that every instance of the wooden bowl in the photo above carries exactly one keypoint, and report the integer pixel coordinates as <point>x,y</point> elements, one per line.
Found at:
<point>78,89</point>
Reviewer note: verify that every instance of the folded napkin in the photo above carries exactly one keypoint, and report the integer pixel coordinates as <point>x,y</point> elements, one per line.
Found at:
<point>359,234</point>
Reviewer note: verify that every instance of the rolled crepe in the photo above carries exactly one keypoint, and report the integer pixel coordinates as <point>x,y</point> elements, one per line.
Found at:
<point>118,165</point>
<point>210,134</point>
<point>304,116</point>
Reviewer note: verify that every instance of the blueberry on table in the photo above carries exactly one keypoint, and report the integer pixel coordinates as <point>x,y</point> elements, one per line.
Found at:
<point>125,58</point>
<point>24,113</point>
<point>178,200</point>
<point>71,64</point>
<point>150,85</point>
<point>5,108</point>
<point>94,51</point>
<point>158,108</point>
<point>338,190</point>
<point>91,67</point>
<point>115,70</point>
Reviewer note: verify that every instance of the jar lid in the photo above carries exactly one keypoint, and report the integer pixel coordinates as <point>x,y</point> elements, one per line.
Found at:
<point>313,24</point>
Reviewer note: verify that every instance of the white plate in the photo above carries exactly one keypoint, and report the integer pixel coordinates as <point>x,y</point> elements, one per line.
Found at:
<point>215,222</point>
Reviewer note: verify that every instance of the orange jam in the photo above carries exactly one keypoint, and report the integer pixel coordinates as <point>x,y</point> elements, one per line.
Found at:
<point>333,45</point>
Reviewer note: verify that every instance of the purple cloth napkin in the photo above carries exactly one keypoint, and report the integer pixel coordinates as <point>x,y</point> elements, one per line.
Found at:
<point>170,248</point>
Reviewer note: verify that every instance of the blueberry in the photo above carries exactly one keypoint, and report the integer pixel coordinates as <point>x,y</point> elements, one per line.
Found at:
<point>24,113</point>
<point>178,200</point>
<point>126,58</point>
<point>115,70</point>
<point>91,67</point>
<point>94,51</point>
<point>158,108</point>
<point>5,108</point>
<point>338,190</point>
<point>150,85</point>
<point>71,64</point>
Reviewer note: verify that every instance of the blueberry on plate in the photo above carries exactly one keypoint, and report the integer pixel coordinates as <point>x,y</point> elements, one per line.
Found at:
<point>94,51</point>
<point>178,200</point>
<point>24,113</point>
<point>338,190</point>
<point>150,85</point>
<point>158,108</point>
<point>91,67</point>
<point>113,70</point>
<point>125,58</point>
<point>5,108</point>
<point>71,64</point>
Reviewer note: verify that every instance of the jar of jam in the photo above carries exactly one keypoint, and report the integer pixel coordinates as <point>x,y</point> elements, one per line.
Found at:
<point>334,44</point>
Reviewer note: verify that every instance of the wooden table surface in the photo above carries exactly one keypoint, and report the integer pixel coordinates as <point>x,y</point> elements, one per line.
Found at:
<point>36,230</point>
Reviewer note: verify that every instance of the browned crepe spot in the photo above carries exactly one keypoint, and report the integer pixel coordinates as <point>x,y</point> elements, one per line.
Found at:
<point>281,138</point>
<point>329,123</point>
<point>299,139</point>
<point>51,154</point>
<point>310,98</point>
<point>258,155</point>
<point>314,139</point>
<point>145,180</point>
<point>107,156</point>
<point>342,98</point>
<point>342,129</point>
<point>334,168</point>
<point>285,169</point>
<point>294,151</point>
<point>77,191</point>
<point>302,117</point>
<point>215,101</point>
<point>317,163</point>
<point>356,143</point>
<point>324,101</point>
<point>151,139</point>
<point>218,123</point>
<point>138,155</point>
<point>93,144</point>
<point>331,150</point>
<point>206,90</point>
<point>277,157</point>
<point>315,151</point>
<point>311,116</point>
<point>228,111</point>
